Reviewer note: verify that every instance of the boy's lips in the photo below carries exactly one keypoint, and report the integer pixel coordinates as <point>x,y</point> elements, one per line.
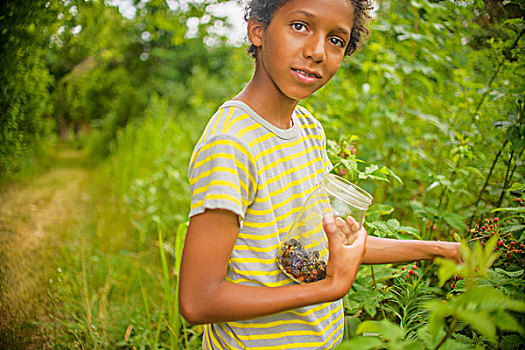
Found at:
<point>307,73</point>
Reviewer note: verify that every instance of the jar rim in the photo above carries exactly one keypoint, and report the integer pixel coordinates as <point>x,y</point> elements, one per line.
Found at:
<point>347,191</point>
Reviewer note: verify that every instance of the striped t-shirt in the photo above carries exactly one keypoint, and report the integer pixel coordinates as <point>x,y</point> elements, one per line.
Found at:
<point>263,174</point>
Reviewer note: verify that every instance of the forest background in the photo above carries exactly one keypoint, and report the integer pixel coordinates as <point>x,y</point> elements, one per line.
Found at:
<point>429,117</point>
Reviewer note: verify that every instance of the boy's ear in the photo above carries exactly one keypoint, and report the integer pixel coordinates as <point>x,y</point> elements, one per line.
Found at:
<point>255,32</point>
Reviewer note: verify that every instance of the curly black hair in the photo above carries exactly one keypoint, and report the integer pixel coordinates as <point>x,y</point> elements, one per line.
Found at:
<point>263,10</point>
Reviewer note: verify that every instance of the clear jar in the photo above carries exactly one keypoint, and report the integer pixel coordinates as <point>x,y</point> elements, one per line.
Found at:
<point>304,253</point>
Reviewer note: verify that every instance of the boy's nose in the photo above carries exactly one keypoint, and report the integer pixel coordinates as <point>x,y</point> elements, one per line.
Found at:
<point>315,48</point>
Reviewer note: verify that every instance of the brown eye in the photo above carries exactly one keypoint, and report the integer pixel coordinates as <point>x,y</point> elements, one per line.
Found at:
<point>299,27</point>
<point>337,42</point>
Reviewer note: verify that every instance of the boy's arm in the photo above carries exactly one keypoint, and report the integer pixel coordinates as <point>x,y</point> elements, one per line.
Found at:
<point>206,297</point>
<point>384,250</point>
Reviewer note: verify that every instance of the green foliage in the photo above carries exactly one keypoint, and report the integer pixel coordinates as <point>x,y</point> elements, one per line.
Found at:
<point>429,117</point>
<point>24,79</point>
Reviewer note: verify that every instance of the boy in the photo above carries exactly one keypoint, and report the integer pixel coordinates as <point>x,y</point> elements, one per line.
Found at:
<point>258,159</point>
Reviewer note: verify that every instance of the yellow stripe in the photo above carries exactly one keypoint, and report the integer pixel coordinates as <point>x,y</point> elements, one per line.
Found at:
<point>214,339</point>
<point>256,249</point>
<point>224,183</point>
<point>299,345</point>
<point>265,284</point>
<point>256,273</point>
<point>253,260</point>
<point>260,139</point>
<point>238,119</point>
<point>232,336</point>
<point>296,169</point>
<point>296,182</point>
<point>222,155</point>
<point>217,121</point>
<point>247,129</point>
<point>282,322</point>
<point>227,124</point>
<point>225,142</point>
<point>282,146</point>
<point>289,333</point>
<point>221,196</point>
<point>310,311</point>
<point>285,159</point>
<point>215,169</point>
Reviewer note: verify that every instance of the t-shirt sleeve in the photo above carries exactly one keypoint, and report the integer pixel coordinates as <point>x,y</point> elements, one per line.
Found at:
<point>222,175</point>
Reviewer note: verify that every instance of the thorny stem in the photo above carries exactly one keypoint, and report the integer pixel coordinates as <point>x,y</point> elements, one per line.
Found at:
<point>375,287</point>
<point>507,179</point>
<point>451,329</point>
<point>487,180</point>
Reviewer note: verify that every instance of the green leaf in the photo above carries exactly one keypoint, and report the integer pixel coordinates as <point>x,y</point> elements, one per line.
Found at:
<point>361,343</point>
<point>455,221</point>
<point>517,209</point>
<point>507,323</point>
<point>394,224</point>
<point>512,274</point>
<point>479,321</point>
<point>517,187</point>
<point>381,209</point>
<point>384,328</point>
<point>410,230</point>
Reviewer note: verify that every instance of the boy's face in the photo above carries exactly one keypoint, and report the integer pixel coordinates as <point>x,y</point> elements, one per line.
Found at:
<point>304,44</point>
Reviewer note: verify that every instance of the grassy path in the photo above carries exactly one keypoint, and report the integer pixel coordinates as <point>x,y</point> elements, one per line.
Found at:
<point>34,215</point>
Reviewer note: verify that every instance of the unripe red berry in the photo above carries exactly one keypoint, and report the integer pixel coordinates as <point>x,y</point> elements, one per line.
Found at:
<point>518,200</point>
<point>403,268</point>
<point>434,228</point>
<point>415,273</point>
<point>496,219</point>
<point>500,243</point>
<point>414,267</point>
<point>411,272</point>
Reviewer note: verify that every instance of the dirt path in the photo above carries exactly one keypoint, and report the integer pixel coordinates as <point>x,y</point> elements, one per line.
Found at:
<point>32,214</point>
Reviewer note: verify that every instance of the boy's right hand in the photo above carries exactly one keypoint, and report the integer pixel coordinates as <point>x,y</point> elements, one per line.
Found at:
<point>346,246</point>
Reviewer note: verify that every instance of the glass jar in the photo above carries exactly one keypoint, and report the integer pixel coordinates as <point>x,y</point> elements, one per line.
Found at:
<point>304,253</point>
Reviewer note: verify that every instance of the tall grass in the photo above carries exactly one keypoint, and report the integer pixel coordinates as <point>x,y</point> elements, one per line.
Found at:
<point>118,271</point>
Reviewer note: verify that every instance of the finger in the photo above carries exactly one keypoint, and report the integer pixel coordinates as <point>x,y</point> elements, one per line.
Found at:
<point>346,233</point>
<point>331,230</point>
<point>352,223</point>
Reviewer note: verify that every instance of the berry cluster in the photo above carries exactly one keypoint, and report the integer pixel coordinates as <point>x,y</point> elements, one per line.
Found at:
<point>300,265</point>
<point>506,243</point>
<point>410,272</point>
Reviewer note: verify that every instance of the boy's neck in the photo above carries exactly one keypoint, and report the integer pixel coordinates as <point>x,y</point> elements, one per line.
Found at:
<point>268,102</point>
